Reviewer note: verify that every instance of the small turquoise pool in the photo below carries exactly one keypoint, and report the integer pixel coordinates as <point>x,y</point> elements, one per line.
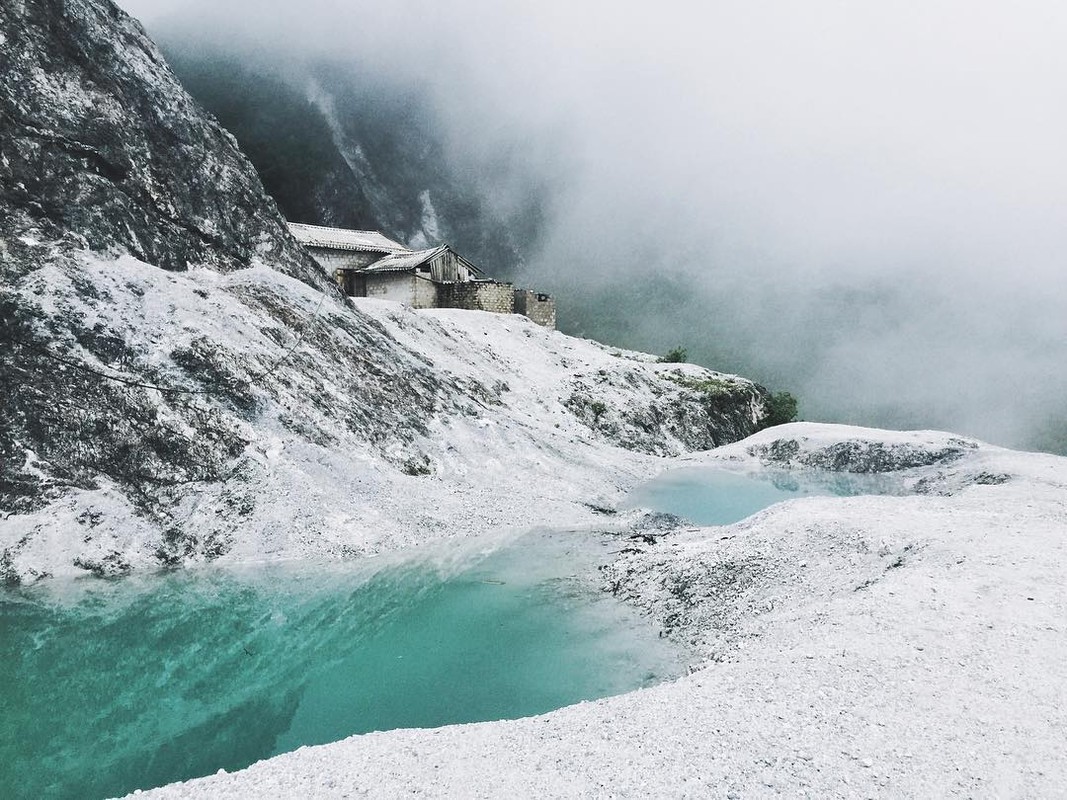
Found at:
<point>110,686</point>
<point>714,496</point>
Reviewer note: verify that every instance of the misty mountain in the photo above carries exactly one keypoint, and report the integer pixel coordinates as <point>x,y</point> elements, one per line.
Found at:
<point>337,147</point>
<point>768,179</point>
<point>182,383</point>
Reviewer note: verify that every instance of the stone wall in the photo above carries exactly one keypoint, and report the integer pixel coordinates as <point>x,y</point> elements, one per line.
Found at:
<point>538,306</point>
<point>425,293</point>
<point>477,296</point>
<point>419,291</point>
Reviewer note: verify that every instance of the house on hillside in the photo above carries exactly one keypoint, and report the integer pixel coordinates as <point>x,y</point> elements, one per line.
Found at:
<point>368,264</point>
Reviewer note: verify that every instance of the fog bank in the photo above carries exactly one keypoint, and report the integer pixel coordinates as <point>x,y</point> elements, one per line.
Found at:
<point>865,206</point>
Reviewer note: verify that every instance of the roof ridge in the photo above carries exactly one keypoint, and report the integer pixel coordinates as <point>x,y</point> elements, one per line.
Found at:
<point>344,238</point>
<point>332,228</point>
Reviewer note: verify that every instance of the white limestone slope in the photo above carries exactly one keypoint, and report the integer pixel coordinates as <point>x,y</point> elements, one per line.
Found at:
<point>910,646</point>
<point>342,430</point>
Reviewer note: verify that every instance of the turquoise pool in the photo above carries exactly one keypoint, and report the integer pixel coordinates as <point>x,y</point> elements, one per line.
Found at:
<point>110,686</point>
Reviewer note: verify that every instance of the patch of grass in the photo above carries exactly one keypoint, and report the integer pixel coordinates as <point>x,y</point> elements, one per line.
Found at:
<point>712,386</point>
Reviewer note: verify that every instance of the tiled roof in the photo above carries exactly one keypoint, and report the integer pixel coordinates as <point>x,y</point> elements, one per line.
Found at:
<point>342,239</point>
<point>402,262</point>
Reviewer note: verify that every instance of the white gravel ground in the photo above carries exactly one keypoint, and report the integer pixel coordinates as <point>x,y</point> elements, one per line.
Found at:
<point>857,647</point>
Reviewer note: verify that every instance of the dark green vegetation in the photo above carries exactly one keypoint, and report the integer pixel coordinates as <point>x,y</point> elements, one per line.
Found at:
<point>712,387</point>
<point>781,408</point>
<point>281,132</point>
<point>676,355</point>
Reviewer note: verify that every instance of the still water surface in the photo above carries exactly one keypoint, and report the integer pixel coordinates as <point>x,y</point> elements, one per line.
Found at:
<point>110,686</point>
<point>714,496</point>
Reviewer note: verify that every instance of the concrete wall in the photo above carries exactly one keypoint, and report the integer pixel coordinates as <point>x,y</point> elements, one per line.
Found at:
<point>398,286</point>
<point>538,306</point>
<point>477,296</point>
<point>425,293</point>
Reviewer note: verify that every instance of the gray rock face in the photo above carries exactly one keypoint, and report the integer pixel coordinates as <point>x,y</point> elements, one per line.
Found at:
<point>99,143</point>
<point>102,150</point>
<point>684,415</point>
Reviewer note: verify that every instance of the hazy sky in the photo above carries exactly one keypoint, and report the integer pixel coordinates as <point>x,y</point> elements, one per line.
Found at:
<point>865,203</point>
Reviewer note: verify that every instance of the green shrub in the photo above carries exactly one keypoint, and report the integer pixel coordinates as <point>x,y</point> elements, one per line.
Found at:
<point>598,409</point>
<point>710,386</point>
<point>781,408</point>
<point>676,356</point>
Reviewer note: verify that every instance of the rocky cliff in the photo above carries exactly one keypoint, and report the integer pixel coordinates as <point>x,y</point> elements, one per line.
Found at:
<point>182,383</point>
<point>337,146</point>
<point>102,147</point>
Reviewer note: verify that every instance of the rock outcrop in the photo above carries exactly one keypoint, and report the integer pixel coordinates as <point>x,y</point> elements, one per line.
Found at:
<point>100,146</point>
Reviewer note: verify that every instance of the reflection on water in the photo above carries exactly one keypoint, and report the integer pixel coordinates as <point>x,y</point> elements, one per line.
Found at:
<point>108,686</point>
<point>714,496</point>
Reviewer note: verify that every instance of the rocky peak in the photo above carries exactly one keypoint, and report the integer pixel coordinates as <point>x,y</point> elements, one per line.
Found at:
<point>100,145</point>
